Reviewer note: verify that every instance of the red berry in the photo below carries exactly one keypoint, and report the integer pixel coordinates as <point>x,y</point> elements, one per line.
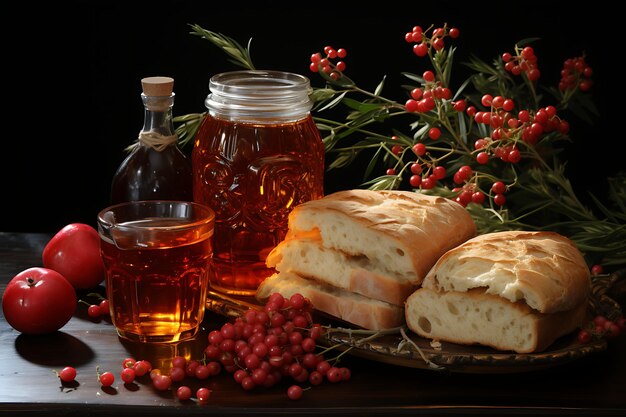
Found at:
<point>454,33</point>
<point>183,393</point>
<point>482,158</point>
<point>67,374</point>
<point>584,336</point>
<point>498,187</point>
<point>416,93</point>
<point>499,199</point>
<point>514,156</point>
<point>93,311</point>
<point>612,329</point>
<point>142,367</point>
<point>486,100</point>
<point>597,269</point>
<point>333,374</point>
<point>294,392</point>
<point>416,168</point>
<point>428,76</point>
<point>104,308</point>
<point>497,102</point>
<point>478,197</point>
<point>420,49</point>
<point>459,105</point>
<point>390,171</point>
<point>415,181</point>
<point>128,375</point>
<point>439,172</point>
<point>341,53</point>
<point>508,104</point>
<point>419,149</point>
<point>411,105</point>
<point>428,183</point>
<point>434,133</point>
<point>162,382</point>
<point>177,374</point>
<point>106,379</point>
<point>203,394</point>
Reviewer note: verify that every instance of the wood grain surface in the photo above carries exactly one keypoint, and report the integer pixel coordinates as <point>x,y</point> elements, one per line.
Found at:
<point>593,385</point>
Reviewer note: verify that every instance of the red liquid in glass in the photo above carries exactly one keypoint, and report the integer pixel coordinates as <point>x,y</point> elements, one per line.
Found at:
<point>252,175</point>
<point>158,293</point>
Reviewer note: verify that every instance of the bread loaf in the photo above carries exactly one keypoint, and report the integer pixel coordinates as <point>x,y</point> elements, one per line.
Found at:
<point>396,236</point>
<point>513,290</point>
<point>347,306</point>
<point>309,258</point>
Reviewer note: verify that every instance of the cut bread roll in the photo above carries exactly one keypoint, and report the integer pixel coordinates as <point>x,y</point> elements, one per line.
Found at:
<point>475,317</point>
<point>309,258</point>
<point>347,306</point>
<point>391,238</point>
<point>513,290</point>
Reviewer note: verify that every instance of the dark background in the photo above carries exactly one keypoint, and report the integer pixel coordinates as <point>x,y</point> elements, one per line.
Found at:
<point>72,78</point>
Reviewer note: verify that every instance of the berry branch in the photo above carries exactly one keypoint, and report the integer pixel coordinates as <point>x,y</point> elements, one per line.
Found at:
<point>492,144</point>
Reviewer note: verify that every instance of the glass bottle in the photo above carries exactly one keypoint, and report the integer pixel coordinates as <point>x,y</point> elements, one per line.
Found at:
<point>257,154</point>
<point>156,168</point>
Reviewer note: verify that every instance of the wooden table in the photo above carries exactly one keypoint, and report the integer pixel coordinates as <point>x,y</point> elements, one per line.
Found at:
<point>592,385</point>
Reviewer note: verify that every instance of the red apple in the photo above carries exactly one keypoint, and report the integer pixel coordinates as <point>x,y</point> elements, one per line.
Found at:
<point>74,252</point>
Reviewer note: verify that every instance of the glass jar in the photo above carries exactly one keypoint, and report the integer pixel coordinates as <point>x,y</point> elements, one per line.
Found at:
<point>257,155</point>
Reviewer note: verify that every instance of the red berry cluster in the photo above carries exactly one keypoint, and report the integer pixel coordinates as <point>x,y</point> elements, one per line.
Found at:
<point>424,99</point>
<point>423,43</point>
<point>325,64</point>
<point>600,327</point>
<point>524,61</point>
<point>181,368</point>
<point>97,310</point>
<point>506,127</point>
<point>264,346</point>
<point>576,74</point>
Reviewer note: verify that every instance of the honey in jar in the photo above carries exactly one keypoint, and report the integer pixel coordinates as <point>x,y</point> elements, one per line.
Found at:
<point>257,155</point>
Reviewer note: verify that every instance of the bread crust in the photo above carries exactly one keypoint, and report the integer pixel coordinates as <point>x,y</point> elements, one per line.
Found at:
<point>543,269</point>
<point>350,307</point>
<point>422,227</point>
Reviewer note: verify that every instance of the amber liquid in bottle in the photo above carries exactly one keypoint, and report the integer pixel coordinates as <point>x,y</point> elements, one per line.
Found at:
<point>252,175</point>
<point>147,174</point>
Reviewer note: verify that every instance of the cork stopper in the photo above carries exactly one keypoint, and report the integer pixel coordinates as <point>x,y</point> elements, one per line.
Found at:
<point>157,86</point>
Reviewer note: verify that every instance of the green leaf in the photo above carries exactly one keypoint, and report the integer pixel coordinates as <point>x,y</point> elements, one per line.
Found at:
<point>372,164</point>
<point>239,55</point>
<point>413,77</point>
<point>333,102</point>
<point>360,106</point>
<point>527,41</point>
<point>385,182</point>
<point>342,160</point>
<point>461,88</point>
<point>188,128</point>
<point>379,87</point>
<point>321,94</point>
